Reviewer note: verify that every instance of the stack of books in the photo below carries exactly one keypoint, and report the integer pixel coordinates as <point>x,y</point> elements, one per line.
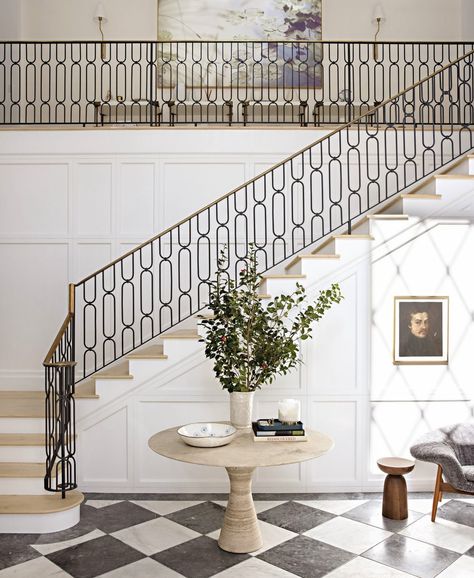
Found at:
<point>273,430</point>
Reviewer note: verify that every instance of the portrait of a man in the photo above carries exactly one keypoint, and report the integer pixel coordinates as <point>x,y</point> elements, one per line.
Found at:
<point>421,330</point>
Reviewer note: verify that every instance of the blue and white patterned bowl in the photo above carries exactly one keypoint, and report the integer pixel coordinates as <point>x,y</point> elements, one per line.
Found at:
<point>207,435</point>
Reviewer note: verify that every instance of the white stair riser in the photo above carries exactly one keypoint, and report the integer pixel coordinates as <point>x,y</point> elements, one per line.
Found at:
<point>22,425</point>
<point>471,166</point>
<point>39,523</point>
<point>176,349</point>
<point>276,287</point>
<point>352,248</point>
<point>315,268</point>
<point>22,453</point>
<point>382,230</point>
<point>454,186</point>
<point>20,486</point>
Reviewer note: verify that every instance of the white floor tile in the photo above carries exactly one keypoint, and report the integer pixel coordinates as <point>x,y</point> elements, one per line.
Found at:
<point>49,548</point>
<point>462,568</point>
<point>271,536</point>
<point>443,533</point>
<point>362,568</point>
<point>347,534</point>
<point>154,536</point>
<point>423,506</point>
<point>146,568</point>
<point>260,505</point>
<point>163,507</point>
<point>254,568</point>
<point>37,567</point>
<point>337,507</point>
<point>102,503</point>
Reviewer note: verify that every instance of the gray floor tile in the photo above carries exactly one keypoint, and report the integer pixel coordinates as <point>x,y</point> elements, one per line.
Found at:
<point>95,557</point>
<point>203,518</point>
<point>306,557</point>
<point>371,513</point>
<point>87,524</point>
<point>122,515</point>
<point>295,517</point>
<point>412,556</point>
<point>15,549</point>
<point>198,558</point>
<point>460,512</point>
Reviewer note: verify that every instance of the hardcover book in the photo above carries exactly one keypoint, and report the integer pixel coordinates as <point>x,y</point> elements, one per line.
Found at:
<point>277,436</point>
<point>277,425</point>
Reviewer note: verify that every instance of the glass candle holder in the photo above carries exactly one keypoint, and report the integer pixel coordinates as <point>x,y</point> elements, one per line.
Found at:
<point>289,410</point>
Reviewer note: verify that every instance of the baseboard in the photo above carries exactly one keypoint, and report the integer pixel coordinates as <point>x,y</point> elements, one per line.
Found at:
<point>21,380</point>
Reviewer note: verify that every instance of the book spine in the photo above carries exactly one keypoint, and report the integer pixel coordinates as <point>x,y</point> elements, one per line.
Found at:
<point>296,432</point>
<point>279,438</point>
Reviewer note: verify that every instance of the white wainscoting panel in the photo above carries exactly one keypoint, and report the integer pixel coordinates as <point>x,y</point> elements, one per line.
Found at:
<point>104,451</point>
<point>33,199</point>
<point>137,198</point>
<point>93,198</point>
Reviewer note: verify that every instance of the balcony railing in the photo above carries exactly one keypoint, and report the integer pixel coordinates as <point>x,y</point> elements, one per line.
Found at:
<point>213,83</point>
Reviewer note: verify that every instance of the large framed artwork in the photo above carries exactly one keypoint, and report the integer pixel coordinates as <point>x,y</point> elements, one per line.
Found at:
<point>239,20</point>
<point>279,61</point>
<point>420,332</point>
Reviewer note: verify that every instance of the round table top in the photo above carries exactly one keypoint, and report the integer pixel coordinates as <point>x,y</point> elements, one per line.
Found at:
<point>395,466</point>
<point>243,451</point>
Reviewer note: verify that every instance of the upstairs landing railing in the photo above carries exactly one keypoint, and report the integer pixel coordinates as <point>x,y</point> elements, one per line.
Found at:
<point>298,202</point>
<point>216,83</point>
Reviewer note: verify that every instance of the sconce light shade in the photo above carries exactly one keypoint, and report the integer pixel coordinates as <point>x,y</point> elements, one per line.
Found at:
<point>100,14</point>
<point>378,15</point>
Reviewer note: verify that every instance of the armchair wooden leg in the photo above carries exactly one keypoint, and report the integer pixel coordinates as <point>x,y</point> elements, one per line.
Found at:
<point>437,493</point>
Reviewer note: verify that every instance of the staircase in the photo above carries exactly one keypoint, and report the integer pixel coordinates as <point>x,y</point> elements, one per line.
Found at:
<point>309,245</point>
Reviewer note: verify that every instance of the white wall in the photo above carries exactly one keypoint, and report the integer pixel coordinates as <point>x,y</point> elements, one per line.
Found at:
<point>10,20</point>
<point>342,20</point>
<point>467,24</point>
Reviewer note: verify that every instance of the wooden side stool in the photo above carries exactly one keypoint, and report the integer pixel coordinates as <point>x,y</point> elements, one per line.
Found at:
<point>395,502</point>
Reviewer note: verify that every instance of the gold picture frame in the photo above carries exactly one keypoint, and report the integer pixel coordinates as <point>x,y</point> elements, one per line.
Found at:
<point>420,330</point>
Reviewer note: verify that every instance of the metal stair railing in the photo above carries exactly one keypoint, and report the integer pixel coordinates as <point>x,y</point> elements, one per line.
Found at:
<point>322,188</point>
<point>208,82</point>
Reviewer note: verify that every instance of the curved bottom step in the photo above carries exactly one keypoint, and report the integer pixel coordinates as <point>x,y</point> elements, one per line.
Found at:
<point>39,514</point>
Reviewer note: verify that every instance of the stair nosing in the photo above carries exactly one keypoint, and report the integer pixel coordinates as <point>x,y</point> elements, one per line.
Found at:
<point>42,504</point>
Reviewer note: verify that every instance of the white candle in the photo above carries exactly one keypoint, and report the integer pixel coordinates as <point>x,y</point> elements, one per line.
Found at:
<point>289,410</point>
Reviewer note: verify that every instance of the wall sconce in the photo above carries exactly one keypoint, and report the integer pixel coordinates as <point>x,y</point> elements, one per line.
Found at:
<point>101,17</point>
<point>378,17</point>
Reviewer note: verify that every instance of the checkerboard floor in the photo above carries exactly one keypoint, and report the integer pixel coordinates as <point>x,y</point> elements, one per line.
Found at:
<point>307,536</point>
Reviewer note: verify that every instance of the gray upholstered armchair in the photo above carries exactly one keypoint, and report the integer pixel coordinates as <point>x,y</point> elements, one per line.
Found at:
<point>452,448</point>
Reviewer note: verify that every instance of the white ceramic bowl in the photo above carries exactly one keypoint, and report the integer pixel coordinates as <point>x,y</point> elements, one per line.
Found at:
<point>207,435</point>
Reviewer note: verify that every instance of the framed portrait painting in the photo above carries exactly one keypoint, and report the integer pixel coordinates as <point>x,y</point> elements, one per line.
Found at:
<point>420,330</point>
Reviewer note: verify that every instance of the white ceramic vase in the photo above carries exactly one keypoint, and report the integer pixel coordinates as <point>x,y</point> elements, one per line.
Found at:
<point>241,405</point>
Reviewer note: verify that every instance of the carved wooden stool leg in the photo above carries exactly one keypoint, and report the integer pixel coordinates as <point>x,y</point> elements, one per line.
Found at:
<point>240,532</point>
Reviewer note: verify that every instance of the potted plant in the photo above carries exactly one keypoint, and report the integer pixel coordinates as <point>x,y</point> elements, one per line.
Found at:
<point>250,342</point>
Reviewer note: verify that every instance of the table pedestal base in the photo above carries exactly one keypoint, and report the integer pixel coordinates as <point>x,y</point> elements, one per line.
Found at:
<point>240,532</point>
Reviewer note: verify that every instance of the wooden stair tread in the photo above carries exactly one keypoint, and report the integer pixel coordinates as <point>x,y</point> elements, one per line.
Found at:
<point>283,276</point>
<point>312,256</point>
<point>388,217</point>
<point>455,176</point>
<point>26,439</point>
<point>116,372</point>
<point>152,352</point>
<point>363,237</point>
<point>41,504</point>
<point>22,470</point>
<point>22,404</point>
<point>426,197</point>
<point>181,334</point>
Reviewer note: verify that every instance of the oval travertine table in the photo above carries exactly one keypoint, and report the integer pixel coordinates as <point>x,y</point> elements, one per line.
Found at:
<point>240,532</point>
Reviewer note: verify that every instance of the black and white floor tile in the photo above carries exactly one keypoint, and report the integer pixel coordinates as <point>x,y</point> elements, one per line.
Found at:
<point>307,536</point>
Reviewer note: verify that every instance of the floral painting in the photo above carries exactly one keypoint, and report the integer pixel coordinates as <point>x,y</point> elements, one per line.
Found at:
<point>278,62</point>
<point>239,20</point>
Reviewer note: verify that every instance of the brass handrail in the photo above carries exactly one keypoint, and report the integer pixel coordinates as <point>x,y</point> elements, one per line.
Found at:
<point>70,315</point>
